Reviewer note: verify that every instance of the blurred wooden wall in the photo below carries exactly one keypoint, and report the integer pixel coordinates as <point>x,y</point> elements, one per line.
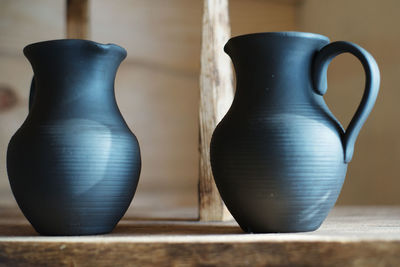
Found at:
<point>374,174</point>
<point>157,85</point>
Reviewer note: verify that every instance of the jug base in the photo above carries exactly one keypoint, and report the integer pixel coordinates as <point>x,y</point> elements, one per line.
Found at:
<point>292,229</point>
<point>75,231</point>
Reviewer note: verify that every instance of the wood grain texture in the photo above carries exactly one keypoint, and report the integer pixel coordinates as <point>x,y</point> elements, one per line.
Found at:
<point>351,236</point>
<point>381,253</point>
<point>216,94</point>
<point>77,19</point>
<point>22,22</point>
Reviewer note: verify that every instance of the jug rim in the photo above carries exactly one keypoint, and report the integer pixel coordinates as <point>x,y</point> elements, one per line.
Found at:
<point>104,47</point>
<point>282,34</point>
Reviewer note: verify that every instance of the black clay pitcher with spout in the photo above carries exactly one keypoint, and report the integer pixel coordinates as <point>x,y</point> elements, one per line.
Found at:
<point>279,157</point>
<point>74,164</point>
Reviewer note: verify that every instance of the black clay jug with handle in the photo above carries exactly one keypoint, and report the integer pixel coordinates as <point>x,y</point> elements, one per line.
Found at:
<point>74,164</point>
<point>279,157</point>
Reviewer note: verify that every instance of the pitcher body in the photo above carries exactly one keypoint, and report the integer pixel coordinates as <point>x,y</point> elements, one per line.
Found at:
<point>278,156</point>
<point>74,164</point>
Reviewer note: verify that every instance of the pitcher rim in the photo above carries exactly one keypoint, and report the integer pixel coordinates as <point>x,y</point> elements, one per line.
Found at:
<point>297,34</point>
<point>104,47</point>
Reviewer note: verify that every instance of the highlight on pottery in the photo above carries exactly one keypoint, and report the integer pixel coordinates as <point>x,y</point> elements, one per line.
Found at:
<point>74,164</point>
<point>279,157</point>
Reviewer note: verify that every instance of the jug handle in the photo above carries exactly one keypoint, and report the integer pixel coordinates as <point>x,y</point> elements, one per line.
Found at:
<point>320,68</point>
<point>32,92</point>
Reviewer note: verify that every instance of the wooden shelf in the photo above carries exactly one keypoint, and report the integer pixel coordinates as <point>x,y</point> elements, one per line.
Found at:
<point>351,236</point>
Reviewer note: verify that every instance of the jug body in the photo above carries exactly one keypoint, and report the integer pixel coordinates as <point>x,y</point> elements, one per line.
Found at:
<point>277,156</point>
<point>74,164</point>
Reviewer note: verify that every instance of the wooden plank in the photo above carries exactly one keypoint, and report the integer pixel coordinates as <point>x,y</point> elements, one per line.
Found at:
<point>381,253</point>
<point>77,19</point>
<point>216,94</point>
<point>351,236</point>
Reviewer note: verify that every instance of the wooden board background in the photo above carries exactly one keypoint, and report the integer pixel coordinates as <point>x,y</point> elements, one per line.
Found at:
<point>157,86</point>
<point>374,174</point>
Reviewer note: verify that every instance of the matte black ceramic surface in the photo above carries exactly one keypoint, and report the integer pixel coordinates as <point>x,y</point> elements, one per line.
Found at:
<point>74,164</point>
<point>279,156</point>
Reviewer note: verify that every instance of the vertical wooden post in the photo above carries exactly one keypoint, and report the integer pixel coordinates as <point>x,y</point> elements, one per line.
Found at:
<point>77,19</point>
<point>216,94</point>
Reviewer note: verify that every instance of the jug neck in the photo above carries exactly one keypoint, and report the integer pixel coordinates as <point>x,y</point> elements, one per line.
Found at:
<point>60,63</point>
<point>274,65</point>
<point>73,75</point>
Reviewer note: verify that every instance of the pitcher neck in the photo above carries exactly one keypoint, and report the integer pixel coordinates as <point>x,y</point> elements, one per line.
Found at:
<point>73,75</point>
<point>62,62</point>
<point>274,65</point>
